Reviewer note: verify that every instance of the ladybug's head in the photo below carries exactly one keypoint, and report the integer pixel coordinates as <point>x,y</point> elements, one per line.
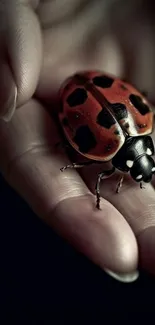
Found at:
<point>143,169</point>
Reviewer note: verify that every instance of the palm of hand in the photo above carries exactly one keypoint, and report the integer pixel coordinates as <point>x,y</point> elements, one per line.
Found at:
<point>122,234</point>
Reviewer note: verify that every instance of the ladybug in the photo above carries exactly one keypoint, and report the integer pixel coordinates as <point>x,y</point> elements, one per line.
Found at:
<point>106,119</point>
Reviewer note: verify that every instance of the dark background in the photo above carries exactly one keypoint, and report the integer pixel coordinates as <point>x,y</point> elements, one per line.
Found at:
<point>43,278</point>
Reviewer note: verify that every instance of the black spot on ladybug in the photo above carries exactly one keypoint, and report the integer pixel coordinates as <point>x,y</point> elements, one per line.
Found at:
<point>77,116</point>
<point>77,97</point>
<point>105,119</point>
<point>116,132</point>
<point>126,125</point>
<point>119,111</point>
<point>138,103</point>
<point>65,121</point>
<point>103,81</point>
<point>123,87</point>
<point>141,126</point>
<point>85,139</point>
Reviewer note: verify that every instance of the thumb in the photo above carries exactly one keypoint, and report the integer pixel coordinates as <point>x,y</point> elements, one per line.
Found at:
<point>20,55</point>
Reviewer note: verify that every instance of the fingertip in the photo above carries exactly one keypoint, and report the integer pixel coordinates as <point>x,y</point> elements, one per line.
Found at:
<point>103,236</point>
<point>124,277</point>
<point>23,40</point>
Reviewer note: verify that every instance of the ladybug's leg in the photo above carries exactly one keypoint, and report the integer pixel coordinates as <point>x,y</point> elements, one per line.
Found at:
<point>77,165</point>
<point>119,185</point>
<point>141,185</point>
<point>101,176</point>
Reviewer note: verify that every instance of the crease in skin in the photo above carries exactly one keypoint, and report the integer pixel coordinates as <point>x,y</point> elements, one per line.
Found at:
<point>81,195</point>
<point>12,162</point>
<point>64,180</point>
<point>148,217</point>
<point>84,12</point>
<point>75,191</point>
<point>60,11</point>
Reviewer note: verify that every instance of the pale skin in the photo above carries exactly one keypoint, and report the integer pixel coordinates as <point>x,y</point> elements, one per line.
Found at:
<point>120,236</point>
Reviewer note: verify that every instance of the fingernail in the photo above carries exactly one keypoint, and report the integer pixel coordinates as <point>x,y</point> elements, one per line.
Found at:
<point>8,93</point>
<point>123,277</point>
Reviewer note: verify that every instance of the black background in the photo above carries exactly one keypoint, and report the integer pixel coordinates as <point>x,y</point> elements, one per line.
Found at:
<point>43,278</point>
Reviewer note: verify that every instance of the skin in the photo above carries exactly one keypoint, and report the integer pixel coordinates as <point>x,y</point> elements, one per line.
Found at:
<point>69,36</point>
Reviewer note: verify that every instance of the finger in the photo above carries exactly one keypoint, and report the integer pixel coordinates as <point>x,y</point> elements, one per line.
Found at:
<point>21,48</point>
<point>138,64</point>
<point>31,164</point>
<point>88,44</point>
<point>147,237</point>
<point>137,206</point>
<point>54,12</point>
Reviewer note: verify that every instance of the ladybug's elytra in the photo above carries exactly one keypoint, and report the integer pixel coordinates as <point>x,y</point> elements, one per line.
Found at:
<point>107,119</point>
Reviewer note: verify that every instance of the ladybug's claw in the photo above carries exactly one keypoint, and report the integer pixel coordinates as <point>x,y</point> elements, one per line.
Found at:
<point>77,165</point>
<point>73,165</point>
<point>97,190</point>
<point>63,168</point>
<point>101,176</point>
<point>119,185</point>
<point>98,201</point>
<point>142,186</point>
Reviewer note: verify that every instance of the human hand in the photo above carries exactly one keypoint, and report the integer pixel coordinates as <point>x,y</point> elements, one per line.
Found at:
<point>121,236</point>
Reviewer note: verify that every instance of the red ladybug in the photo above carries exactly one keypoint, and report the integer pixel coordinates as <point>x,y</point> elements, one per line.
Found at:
<point>105,118</point>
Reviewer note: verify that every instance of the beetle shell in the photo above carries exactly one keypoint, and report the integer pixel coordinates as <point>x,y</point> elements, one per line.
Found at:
<point>97,112</point>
